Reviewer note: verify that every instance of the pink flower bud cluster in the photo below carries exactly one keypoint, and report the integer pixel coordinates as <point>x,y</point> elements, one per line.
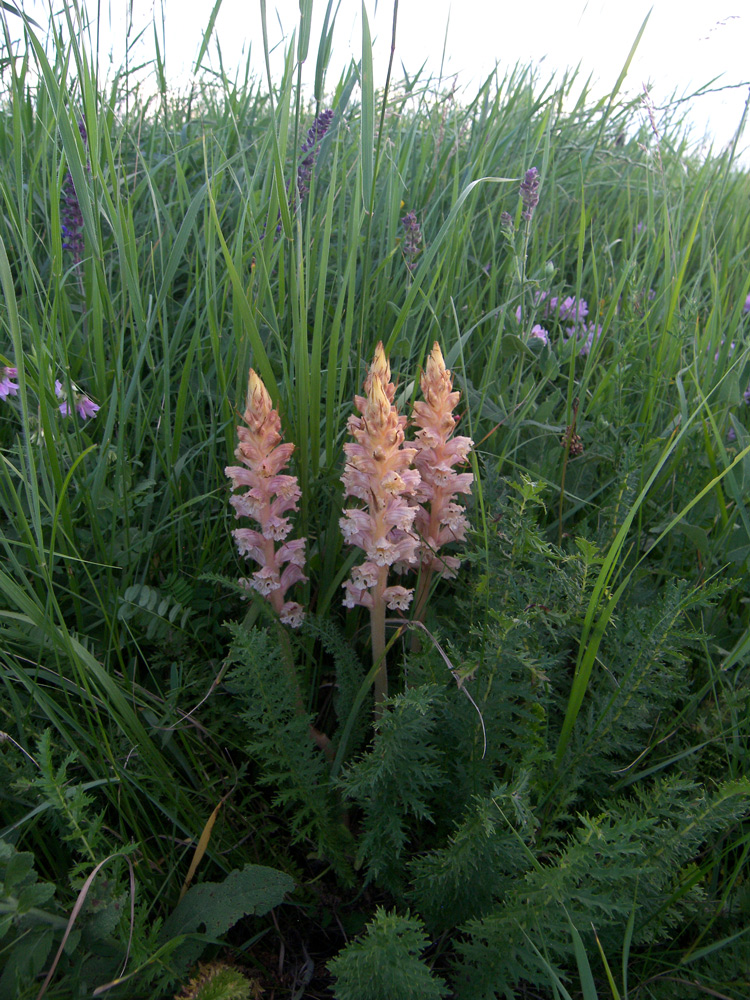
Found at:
<point>378,471</point>
<point>409,488</point>
<point>270,495</point>
<point>439,520</point>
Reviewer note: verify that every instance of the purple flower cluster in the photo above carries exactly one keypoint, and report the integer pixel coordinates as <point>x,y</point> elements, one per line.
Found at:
<point>412,239</point>
<point>311,146</point>
<point>85,406</point>
<point>71,219</point>
<point>730,352</point>
<point>7,387</point>
<point>746,307</point>
<point>80,402</point>
<point>591,331</point>
<point>529,192</point>
<point>568,310</point>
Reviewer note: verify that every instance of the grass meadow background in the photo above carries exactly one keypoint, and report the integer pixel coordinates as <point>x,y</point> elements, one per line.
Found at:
<point>608,586</point>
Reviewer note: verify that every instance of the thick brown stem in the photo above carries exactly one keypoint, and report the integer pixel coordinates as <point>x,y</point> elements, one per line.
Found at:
<point>377,629</point>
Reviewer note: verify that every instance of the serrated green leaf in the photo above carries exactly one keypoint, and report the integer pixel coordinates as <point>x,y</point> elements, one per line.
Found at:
<point>34,895</point>
<point>17,870</point>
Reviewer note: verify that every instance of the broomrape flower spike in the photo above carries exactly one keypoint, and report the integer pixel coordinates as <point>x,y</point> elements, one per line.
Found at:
<point>438,520</point>
<point>270,495</point>
<point>378,472</point>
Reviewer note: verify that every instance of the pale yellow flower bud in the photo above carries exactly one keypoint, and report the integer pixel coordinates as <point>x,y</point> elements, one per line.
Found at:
<point>258,403</point>
<point>380,369</point>
<point>377,407</point>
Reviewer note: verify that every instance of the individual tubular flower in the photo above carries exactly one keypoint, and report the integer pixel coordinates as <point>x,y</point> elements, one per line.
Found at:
<point>7,387</point>
<point>439,520</point>
<point>269,496</point>
<point>86,407</point>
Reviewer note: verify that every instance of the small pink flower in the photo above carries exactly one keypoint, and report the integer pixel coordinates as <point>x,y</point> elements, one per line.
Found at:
<point>269,496</point>
<point>86,407</point>
<point>539,333</point>
<point>292,614</point>
<point>397,598</point>
<point>8,388</point>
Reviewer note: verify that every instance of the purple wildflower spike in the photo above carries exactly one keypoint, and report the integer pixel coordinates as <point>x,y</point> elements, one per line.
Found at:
<point>311,146</point>
<point>412,239</point>
<point>529,192</point>
<point>71,219</point>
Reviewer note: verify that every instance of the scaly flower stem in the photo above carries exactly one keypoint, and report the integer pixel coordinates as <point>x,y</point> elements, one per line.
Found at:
<point>439,520</point>
<point>378,472</point>
<point>377,628</point>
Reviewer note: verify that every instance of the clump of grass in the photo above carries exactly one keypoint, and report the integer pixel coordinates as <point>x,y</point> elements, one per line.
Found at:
<point>524,201</point>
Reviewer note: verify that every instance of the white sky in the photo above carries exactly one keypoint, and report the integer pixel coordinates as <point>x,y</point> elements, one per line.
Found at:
<point>686,43</point>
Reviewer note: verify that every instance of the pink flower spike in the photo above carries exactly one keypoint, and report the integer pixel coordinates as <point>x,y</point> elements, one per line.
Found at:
<point>378,472</point>
<point>268,495</point>
<point>438,519</point>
